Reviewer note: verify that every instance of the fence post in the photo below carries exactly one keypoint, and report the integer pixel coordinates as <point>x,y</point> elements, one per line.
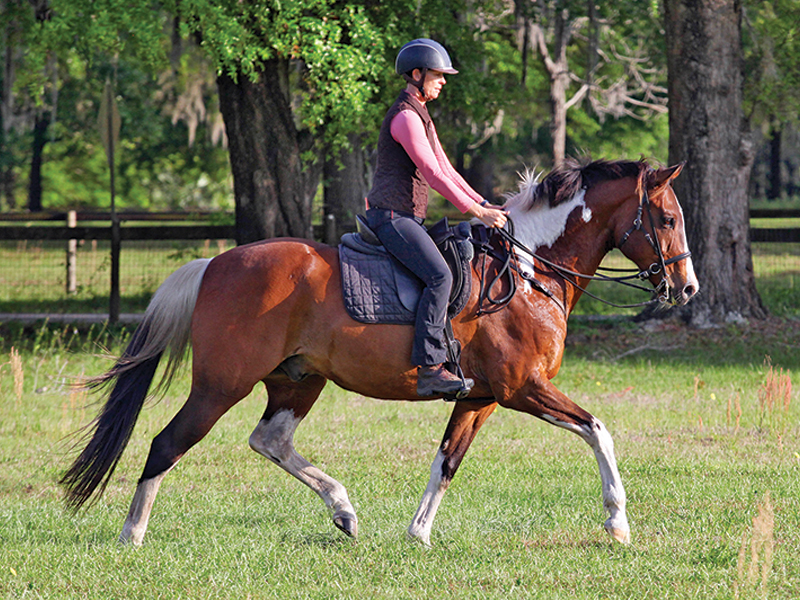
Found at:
<point>330,229</point>
<point>72,255</point>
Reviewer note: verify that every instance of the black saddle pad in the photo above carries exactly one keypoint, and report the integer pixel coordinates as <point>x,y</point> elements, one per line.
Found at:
<point>378,289</point>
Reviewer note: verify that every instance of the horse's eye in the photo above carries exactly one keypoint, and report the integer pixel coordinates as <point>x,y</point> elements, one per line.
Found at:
<point>668,222</point>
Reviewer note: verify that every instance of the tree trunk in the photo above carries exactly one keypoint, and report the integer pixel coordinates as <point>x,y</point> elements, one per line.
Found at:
<point>708,131</point>
<point>346,185</point>
<point>557,66</point>
<point>775,181</point>
<point>269,183</point>
<point>558,116</point>
<point>7,115</point>
<point>40,139</point>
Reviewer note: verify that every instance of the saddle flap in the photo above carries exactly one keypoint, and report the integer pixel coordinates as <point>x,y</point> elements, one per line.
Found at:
<point>378,289</point>
<point>365,232</point>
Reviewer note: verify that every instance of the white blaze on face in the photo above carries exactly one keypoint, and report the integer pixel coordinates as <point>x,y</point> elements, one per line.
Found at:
<point>542,225</point>
<point>691,277</point>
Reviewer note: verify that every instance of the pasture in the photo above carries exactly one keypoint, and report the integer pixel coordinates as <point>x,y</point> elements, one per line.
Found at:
<point>706,432</point>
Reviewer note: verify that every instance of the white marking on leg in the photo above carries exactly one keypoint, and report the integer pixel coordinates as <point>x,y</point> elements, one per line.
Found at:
<point>141,506</point>
<point>273,439</point>
<point>614,499</point>
<point>422,523</point>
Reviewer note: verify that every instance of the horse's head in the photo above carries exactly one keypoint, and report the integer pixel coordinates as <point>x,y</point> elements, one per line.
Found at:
<point>649,230</point>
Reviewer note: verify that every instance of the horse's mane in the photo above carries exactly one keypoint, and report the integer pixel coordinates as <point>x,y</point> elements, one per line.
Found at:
<point>565,181</point>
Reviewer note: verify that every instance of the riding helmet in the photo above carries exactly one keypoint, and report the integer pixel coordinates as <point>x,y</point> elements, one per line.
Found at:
<point>423,54</point>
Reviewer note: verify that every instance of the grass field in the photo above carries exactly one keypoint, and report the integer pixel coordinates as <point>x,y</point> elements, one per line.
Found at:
<point>706,438</point>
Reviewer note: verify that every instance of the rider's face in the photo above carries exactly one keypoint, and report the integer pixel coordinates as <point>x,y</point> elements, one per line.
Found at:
<point>434,81</point>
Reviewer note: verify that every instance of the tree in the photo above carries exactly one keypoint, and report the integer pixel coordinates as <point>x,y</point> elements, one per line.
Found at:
<point>709,131</point>
<point>290,75</point>
<point>771,44</point>
<point>616,76</point>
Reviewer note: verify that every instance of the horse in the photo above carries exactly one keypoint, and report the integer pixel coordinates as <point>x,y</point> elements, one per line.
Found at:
<point>272,312</point>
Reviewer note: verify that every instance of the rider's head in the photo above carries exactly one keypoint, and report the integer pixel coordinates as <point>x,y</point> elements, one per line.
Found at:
<point>418,57</point>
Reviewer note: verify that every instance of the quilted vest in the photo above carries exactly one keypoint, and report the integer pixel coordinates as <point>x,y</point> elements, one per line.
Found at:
<point>398,183</point>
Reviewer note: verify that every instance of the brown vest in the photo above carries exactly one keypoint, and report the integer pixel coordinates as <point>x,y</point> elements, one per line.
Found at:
<point>398,183</point>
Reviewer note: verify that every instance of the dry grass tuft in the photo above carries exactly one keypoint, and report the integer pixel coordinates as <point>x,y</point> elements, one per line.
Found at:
<point>19,374</point>
<point>761,544</point>
<point>738,406</point>
<point>774,399</point>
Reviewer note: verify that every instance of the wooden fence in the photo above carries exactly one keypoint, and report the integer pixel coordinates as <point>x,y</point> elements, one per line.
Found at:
<point>70,227</point>
<point>68,230</point>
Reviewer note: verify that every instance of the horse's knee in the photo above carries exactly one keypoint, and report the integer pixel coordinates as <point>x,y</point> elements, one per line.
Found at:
<point>272,438</point>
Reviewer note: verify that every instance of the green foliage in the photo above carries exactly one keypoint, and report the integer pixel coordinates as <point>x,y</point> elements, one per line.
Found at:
<point>771,39</point>
<point>342,57</point>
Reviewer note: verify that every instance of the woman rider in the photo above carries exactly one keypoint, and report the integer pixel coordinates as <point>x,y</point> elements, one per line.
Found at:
<point>410,158</point>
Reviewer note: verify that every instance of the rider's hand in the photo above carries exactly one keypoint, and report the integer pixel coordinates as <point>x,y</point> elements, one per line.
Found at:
<point>488,215</point>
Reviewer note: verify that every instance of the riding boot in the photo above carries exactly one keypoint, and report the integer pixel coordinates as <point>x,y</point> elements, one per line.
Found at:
<point>435,380</point>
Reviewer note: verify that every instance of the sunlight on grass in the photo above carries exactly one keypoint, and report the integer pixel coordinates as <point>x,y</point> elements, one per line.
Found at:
<point>711,491</point>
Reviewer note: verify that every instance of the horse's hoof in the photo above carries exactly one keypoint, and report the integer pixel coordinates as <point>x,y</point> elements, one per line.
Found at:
<point>425,541</point>
<point>623,536</point>
<point>347,523</point>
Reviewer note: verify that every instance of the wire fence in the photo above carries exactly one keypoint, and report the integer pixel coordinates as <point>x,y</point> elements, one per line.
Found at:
<point>33,275</point>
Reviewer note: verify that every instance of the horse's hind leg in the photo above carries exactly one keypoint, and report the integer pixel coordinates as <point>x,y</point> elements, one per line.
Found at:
<point>193,421</point>
<point>288,404</point>
<point>466,420</point>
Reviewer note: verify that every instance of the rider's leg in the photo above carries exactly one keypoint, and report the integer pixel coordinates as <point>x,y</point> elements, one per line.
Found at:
<point>408,241</point>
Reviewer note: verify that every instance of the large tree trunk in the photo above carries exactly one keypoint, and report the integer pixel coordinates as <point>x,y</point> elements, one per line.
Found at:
<point>557,66</point>
<point>346,185</point>
<point>708,130</point>
<point>269,183</point>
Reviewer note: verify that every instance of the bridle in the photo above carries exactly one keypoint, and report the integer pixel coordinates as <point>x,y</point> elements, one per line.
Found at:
<point>660,293</point>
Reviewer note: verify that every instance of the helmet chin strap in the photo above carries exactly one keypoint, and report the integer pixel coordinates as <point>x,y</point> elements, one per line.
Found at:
<point>418,83</point>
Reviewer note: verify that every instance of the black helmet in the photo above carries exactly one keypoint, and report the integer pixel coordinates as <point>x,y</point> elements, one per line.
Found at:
<point>423,54</point>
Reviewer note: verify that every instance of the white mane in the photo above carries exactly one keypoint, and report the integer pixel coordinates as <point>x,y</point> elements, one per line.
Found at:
<point>537,224</point>
<point>529,181</point>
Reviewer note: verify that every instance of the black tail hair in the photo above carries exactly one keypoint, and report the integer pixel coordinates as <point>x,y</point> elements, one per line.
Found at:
<point>111,430</point>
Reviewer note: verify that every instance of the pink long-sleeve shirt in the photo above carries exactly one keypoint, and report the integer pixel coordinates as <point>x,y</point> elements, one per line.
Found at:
<point>408,130</point>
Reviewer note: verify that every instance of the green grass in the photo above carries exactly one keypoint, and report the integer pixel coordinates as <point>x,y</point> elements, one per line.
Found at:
<point>522,519</point>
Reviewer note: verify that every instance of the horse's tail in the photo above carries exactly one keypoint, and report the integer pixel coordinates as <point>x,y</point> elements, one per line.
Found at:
<point>166,327</point>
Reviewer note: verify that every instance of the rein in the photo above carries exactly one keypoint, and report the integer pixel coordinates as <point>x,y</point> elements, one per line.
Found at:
<point>660,293</point>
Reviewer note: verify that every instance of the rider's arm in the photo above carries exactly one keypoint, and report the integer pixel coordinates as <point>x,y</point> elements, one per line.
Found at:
<point>408,130</point>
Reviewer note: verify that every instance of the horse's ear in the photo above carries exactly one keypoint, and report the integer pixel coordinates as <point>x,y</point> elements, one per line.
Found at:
<point>664,176</point>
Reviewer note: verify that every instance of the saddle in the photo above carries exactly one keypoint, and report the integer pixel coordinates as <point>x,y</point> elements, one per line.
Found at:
<point>378,289</point>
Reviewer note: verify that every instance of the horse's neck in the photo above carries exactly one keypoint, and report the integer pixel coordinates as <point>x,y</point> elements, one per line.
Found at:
<point>570,235</point>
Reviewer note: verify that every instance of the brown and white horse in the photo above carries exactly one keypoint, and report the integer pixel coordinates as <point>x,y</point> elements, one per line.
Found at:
<point>272,312</point>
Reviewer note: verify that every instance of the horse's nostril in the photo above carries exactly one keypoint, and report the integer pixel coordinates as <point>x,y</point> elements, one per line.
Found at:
<point>689,291</point>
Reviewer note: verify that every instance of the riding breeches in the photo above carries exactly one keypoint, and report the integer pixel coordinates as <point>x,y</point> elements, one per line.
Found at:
<point>407,240</point>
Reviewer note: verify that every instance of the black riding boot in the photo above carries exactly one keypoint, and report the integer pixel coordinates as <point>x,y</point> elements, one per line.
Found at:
<point>435,380</point>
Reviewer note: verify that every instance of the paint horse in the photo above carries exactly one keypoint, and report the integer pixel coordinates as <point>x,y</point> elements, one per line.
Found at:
<point>272,312</point>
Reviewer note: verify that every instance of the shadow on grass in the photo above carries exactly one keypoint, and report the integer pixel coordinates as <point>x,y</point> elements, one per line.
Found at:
<point>670,342</point>
<point>136,303</point>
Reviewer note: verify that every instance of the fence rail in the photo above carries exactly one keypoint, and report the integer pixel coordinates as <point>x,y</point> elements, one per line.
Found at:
<point>57,262</point>
<point>203,231</point>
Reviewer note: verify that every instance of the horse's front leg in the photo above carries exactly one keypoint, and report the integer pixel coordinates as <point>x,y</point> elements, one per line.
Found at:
<point>464,424</point>
<point>542,399</point>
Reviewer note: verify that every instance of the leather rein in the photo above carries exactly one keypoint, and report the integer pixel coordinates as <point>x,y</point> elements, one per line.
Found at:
<point>660,293</point>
